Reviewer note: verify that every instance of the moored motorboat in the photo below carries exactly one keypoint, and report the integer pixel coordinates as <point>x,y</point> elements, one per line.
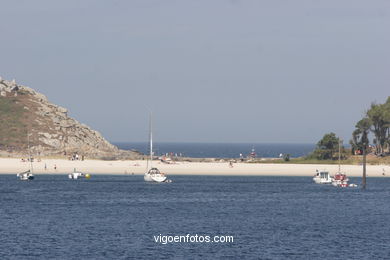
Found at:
<point>76,175</point>
<point>322,177</point>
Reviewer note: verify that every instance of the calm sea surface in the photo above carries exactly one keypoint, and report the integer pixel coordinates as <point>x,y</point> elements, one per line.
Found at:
<point>116,217</point>
<point>221,150</point>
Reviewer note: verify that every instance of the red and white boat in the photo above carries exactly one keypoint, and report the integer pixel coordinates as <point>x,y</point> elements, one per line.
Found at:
<point>340,180</point>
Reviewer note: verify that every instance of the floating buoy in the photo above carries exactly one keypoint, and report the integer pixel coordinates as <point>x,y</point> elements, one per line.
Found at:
<point>87,176</point>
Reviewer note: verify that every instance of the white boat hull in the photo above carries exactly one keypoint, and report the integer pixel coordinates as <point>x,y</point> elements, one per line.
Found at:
<point>77,175</point>
<point>322,181</point>
<point>73,176</point>
<point>147,177</point>
<point>26,176</point>
<point>338,183</point>
<point>154,177</point>
<point>340,180</point>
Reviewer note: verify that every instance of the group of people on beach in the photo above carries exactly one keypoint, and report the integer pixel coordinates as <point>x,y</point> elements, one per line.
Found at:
<point>76,157</point>
<point>31,159</point>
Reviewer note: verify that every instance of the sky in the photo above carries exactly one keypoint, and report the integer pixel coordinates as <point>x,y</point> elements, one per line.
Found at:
<point>234,71</point>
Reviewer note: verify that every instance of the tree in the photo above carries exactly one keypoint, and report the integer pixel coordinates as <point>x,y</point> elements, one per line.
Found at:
<point>387,120</point>
<point>327,147</point>
<point>378,116</point>
<point>354,142</point>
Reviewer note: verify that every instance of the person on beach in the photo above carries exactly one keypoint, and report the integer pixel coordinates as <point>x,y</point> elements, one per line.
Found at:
<point>55,166</point>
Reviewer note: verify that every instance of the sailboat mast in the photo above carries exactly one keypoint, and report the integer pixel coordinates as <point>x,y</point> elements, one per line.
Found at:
<point>29,152</point>
<point>150,139</point>
<point>339,155</point>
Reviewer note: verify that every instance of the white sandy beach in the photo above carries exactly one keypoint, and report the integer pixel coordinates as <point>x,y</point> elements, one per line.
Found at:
<point>13,166</point>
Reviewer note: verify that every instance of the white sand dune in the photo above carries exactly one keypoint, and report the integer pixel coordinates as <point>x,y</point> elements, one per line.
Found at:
<point>60,166</point>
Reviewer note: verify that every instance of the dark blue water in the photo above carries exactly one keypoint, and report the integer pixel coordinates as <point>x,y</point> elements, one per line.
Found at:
<point>221,150</point>
<point>116,217</point>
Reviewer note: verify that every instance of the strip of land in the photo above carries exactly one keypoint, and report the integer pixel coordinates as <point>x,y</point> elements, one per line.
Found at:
<point>61,166</point>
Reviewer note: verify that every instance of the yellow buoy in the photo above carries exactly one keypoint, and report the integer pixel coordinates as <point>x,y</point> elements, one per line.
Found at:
<point>87,176</point>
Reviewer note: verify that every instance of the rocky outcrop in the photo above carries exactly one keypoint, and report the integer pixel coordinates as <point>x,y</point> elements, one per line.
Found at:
<point>50,128</point>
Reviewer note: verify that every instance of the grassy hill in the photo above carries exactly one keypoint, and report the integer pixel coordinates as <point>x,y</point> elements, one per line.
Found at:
<point>23,111</point>
<point>14,121</point>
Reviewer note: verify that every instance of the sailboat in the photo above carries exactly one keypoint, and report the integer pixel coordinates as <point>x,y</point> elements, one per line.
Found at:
<point>27,175</point>
<point>340,179</point>
<point>152,173</point>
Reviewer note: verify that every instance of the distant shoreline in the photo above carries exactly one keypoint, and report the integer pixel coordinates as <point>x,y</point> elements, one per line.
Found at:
<point>129,167</point>
<point>219,150</point>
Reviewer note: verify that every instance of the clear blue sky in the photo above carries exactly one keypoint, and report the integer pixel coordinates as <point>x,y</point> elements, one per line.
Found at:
<point>212,71</point>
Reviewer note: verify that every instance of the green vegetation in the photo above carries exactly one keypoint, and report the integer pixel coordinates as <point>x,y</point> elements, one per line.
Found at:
<point>376,121</point>
<point>350,160</point>
<point>306,160</point>
<point>327,148</point>
<point>12,127</point>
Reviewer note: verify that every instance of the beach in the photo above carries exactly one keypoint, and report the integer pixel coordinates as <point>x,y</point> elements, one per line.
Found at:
<point>62,166</point>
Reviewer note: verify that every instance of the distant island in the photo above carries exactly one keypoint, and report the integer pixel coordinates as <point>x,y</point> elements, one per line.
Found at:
<point>25,112</point>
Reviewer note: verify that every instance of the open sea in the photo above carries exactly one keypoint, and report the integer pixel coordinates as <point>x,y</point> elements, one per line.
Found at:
<point>117,217</point>
<point>221,150</point>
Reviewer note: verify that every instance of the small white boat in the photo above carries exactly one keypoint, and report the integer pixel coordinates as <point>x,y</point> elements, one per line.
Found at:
<point>76,175</point>
<point>155,175</point>
<point>25,176</point>
<point>166,160</point>
<point>322,177</point>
